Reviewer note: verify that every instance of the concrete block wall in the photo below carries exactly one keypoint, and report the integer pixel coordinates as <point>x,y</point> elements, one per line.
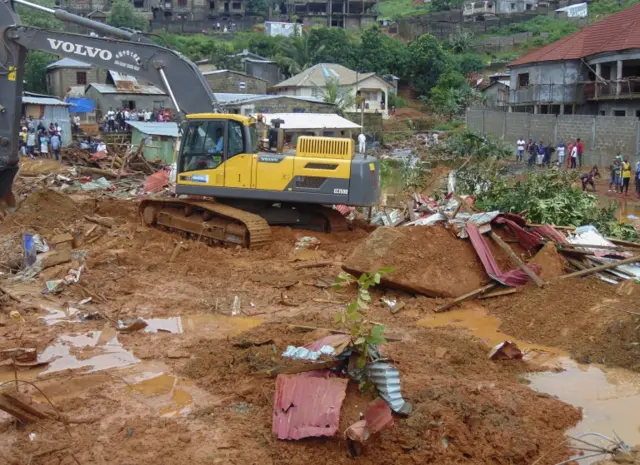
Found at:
<point>602,136</point>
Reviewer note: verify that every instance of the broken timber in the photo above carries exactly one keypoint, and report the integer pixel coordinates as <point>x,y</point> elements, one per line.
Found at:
<point>607,266</point>
<point>462,298</point>
<point>523,266</point>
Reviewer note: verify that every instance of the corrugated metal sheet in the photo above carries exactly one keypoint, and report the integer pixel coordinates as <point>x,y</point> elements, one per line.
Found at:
<point>307,405</point>
<point>156,129</point>
<point>68,63</point>
<point>228,98</point>
<point>141,89</point>
<point>44,101</point>
<point>386,377</point>
<point>294,121</point>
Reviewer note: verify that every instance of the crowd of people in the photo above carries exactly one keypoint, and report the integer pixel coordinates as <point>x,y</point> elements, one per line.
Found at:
<point>571,155</point>
<point>36,139</point>
<point>116,120</point>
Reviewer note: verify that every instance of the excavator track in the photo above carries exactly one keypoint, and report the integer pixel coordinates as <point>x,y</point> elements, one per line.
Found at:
<point>213,221</point>
<point>336,222</point>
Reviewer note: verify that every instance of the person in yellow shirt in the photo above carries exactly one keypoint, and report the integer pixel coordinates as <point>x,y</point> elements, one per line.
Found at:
<point>626,176</point>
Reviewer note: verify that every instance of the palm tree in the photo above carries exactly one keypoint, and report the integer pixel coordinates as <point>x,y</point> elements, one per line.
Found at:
<point>297,54</point>
<point>333,94</point>
<point>461,43</point>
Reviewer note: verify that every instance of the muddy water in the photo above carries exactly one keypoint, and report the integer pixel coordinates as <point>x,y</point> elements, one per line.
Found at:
<point>609,398</point>
<point>626,211</point>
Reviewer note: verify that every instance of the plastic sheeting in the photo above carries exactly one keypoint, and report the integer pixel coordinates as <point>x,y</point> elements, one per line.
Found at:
<point>81,105</point>
<point>510,278</point>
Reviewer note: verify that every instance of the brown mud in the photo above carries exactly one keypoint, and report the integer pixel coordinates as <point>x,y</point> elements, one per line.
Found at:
<point>180,390</point>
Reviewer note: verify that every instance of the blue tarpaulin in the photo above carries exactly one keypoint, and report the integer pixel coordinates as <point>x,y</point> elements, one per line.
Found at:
<point>81,105</point>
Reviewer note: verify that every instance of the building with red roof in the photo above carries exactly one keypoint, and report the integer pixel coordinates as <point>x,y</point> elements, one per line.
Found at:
<point>593,71</point>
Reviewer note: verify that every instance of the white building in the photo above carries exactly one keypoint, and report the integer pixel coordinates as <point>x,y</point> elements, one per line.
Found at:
<point>312,82</point>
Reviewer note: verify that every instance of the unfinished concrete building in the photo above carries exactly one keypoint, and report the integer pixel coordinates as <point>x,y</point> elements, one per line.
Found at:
<point>348,14</point>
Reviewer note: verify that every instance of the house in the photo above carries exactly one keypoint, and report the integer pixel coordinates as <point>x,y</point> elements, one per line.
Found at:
<point>48,109</point>
<point>260,67</point>
<point>489,8</point>
<point>277,28</point>
<point>70,76</point>
<point>227,80</point>
<point>160,139</point>
<point>313,124</point>
<point>496,94</point>
<point>593,71</point>
<point>247,104</point>
<point>124,91</point>
<point>370,88</point>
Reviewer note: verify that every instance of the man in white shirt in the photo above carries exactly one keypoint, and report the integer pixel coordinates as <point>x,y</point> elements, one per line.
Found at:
<point>147,115</point>
<point>76,124</point>
<point>520,149</point>
<point>111,120</point>
<point>574,155</point>
<point>362,143</point>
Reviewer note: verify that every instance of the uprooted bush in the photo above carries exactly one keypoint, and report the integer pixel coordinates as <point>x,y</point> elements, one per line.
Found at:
<point>548,197</point>
<point>468,144</point>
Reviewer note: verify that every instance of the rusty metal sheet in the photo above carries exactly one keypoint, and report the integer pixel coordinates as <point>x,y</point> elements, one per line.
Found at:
<point>307,405</point>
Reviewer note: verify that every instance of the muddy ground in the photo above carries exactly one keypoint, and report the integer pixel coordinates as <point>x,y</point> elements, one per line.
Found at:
<point>185,388</point>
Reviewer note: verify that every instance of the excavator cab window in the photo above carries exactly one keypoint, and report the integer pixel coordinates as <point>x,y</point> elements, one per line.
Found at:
<point>203,146</point>
<point>235,140</point>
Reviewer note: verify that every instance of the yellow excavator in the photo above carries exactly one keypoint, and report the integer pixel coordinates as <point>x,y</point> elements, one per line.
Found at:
<point>219,154</point>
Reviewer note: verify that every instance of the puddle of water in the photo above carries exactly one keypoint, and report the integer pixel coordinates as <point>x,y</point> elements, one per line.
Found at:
<point>55,315</point>
<point>626,211</point>
<point>100,350</point>
<point>485,326</point>
<point>168,390</point>
<point>607,396</point>
<point>230,325</point>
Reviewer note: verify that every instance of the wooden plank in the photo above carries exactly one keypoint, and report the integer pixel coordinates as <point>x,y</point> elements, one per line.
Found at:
<point>607,266</point>
<point>501,292</point>
<point>466,296</point>
<point>523,266</point>
<point>634,245</point>
<point>567,228</point>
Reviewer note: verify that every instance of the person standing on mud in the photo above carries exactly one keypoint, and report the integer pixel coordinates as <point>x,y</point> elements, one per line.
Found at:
<point>574,156</point>
<point>626,175</point>
<point>637,178</point>
<point>615,169</point>
<point>533,152</point>
<point>519,149</point>
<point>541,153</point>
<point>561,152</point>
<point>580,147</point>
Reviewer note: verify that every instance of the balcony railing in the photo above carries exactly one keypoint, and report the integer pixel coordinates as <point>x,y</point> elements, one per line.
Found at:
<point>580,92</point>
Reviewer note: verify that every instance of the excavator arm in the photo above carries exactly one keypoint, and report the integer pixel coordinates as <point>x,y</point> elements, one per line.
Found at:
<point>127,52</point>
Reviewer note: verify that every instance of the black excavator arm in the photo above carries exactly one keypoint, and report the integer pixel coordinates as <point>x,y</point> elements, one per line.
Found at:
<point>127,52</point>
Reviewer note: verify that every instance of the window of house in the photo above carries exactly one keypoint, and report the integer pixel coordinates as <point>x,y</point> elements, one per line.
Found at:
<point>315,92</point>
<point>212,5</point>
<point>523,80</point>
<point>637,113</point>
<point>138,3</point>
<point>129,104</point>
<point>619,113</point>
<point>236,5</point>
<point>81,78</point>
<point>603,113</point>
<point>182,3</point>
<point>513,6</point>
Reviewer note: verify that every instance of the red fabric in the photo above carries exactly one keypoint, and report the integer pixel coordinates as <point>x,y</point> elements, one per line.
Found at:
<point>510,278</point>
<point>527,239</point>
<point>580,147</point>
<point>551,233</point>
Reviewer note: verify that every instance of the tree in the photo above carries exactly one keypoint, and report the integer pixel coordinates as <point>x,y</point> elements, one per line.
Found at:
<point>123,14</point>
<point>466,63</point>
<point>35,18</point>
<point>427,63</point>
<point>461,43</point>
<point>336,46</point>
<point>379,53</point>
<point>452,94</point>
<point>35,71</point>
<point>442,5</point>
<point>297,54</point>
<point>333,94</point>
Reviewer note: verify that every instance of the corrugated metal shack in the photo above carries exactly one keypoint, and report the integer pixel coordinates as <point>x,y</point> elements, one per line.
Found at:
<point>48,109</point>
<point>160,139</point>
